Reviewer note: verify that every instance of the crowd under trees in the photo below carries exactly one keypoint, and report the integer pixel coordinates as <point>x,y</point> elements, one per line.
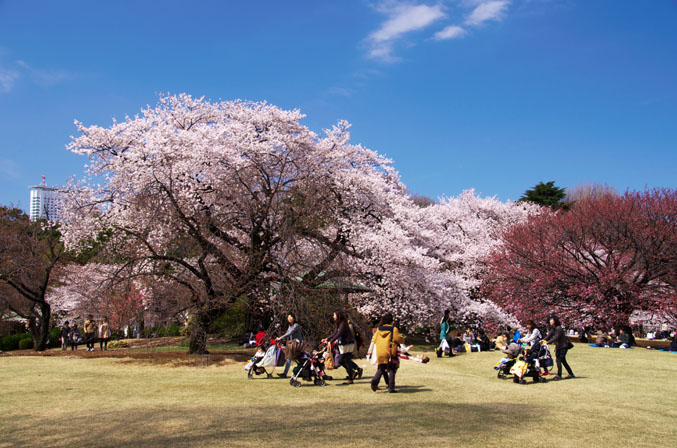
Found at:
<point>194,206</point>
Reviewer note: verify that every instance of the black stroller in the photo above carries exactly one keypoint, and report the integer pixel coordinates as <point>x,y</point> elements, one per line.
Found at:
<point>535,357</point>
<point>309,363</point>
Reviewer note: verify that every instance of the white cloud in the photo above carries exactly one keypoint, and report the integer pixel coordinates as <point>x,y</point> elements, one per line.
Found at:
<point>491,10</point>
<point>340,91</point>
<point>7,80</point>
<point>402,19</point>
<point>450,32</point>
<point>45,78</point>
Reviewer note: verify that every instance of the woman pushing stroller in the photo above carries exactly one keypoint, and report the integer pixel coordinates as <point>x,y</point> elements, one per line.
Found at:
<point>562,345</point>
<point>346,344</point>
<point>293,333</point>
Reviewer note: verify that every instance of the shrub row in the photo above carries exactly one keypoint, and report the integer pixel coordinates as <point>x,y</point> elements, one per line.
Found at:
<point>11,342</point>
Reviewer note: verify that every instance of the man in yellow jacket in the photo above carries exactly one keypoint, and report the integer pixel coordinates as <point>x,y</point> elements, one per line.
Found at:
<point>386,341</point>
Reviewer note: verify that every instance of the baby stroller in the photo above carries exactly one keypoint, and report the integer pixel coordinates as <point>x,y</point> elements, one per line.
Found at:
<point>309,363</point>
<point>540,356</point>
<point>274,357</point>
<point>504,365</point>
<point>528,366</point>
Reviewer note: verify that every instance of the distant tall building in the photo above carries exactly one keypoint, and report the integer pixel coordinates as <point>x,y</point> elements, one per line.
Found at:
<point>44,202</point>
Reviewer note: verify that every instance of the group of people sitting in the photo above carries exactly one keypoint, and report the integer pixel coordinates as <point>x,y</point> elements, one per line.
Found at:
<point>464,341</point>
<point>623,339</point>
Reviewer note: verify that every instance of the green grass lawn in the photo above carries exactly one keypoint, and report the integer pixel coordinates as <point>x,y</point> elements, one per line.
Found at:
<point>621,398</point>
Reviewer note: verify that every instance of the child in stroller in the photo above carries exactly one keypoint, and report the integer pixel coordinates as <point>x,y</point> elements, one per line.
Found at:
<point>265,360</point>
<point>309,363</point>
<point>512,351</point>
<point>252,367</point>
<point>529,365</point>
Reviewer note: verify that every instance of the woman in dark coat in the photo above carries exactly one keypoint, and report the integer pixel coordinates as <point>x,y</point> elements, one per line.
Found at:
<point>346,343</point>
<point>557,336</point>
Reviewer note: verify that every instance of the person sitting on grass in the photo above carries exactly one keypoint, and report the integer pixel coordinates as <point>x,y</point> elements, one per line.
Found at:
<point>623,340</point>
<point>673,344</point>
<point>501,341</point>
<point>386,340</point>
<point>601,339</point>
<point>457,343</point>
<point>483,341</point>
<point>468,337</point>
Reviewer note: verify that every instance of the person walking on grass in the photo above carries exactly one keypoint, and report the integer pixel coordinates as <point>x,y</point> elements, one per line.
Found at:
<point>445,328</point>
<point>65,336</point>
<point>90,333</point>
<point>74,337</point>
<point>386,341</point>
<point>104,334</point>
<point>346,344</point>
<point>293,333</point>
<point>557,336</point>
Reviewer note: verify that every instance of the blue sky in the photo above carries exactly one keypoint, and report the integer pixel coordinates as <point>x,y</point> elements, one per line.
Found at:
<point>494,95</point>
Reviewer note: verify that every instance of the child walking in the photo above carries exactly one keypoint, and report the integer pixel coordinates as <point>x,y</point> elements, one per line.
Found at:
<point>387,340</point>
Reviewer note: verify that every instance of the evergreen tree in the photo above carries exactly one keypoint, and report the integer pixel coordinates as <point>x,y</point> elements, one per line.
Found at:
<point>546,194</point>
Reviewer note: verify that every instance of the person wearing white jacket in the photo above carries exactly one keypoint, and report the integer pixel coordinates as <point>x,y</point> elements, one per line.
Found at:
<point>532,335</point>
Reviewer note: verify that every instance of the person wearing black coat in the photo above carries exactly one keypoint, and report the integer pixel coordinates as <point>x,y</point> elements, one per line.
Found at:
<point>557,336</point>
<point>346,342</point>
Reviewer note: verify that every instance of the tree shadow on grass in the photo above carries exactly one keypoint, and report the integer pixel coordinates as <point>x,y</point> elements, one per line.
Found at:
<point>355,424</point>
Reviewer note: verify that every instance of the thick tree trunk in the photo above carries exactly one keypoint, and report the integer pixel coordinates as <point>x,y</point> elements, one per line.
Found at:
<point>198,333</point>
<point>40,328</point>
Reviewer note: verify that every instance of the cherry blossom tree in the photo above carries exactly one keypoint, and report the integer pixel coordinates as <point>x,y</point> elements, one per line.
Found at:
<point>100,290</point>
<point>595,264</point>
<point>428,259</point>
<point>236,200</point>
<point>31,256</point>
<point>227,199</point>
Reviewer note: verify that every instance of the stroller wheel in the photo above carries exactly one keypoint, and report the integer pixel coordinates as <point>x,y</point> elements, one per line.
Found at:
<point>292,381</point>
<point>523,382</point>
<point>500,375</point>
<point>250,374</point>
<point>515,379</point>
<point>322,382</point>
<point>297,384</point>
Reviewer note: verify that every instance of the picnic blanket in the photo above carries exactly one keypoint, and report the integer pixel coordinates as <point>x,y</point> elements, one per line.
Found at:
<point>596,346</point>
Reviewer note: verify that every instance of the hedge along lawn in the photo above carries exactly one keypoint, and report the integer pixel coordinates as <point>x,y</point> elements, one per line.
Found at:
<point>622,397</point>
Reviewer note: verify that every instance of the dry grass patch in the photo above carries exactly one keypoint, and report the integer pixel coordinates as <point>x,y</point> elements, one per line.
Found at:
<point>621,398</point>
